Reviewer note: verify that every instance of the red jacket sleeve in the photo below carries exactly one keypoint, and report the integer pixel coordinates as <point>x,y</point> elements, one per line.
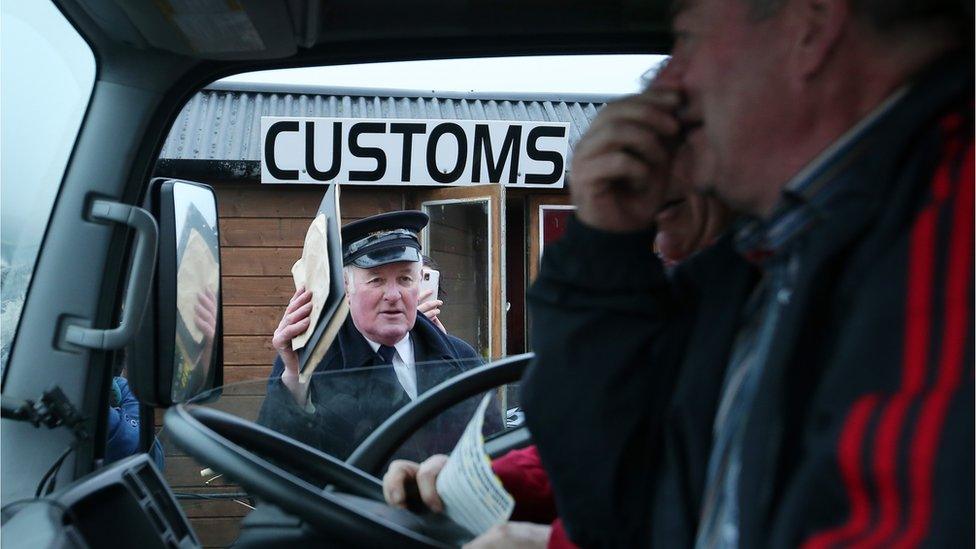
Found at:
<point>558,538</point>
<point>522,475</point>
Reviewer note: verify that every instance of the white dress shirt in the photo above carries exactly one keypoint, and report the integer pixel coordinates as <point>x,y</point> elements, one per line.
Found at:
<point>403,364</point>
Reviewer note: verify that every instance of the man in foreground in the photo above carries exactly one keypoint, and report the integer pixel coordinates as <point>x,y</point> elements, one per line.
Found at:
<point>383,356</point>
<point>809,378</point>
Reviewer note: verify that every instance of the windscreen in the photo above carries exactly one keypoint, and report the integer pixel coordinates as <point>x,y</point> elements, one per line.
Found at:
<point>48,74</point>
<point>336,413</point>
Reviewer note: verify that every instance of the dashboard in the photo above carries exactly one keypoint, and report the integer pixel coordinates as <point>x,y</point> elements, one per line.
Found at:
<point>125,504</point>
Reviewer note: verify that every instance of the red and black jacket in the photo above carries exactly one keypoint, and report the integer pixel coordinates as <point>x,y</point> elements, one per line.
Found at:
<point>862,432</point>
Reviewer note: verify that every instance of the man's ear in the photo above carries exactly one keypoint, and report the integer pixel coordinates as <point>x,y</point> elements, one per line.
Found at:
<point>820,26</point>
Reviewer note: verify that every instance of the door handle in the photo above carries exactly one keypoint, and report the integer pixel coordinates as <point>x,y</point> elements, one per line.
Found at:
<point>140,277</point>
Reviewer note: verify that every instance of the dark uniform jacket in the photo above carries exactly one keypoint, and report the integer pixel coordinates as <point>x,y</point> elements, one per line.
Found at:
<point>353,392</point>
<point>862,428</point>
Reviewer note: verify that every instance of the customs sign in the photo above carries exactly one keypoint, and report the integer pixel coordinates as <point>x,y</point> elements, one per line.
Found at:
<point>385,151</point>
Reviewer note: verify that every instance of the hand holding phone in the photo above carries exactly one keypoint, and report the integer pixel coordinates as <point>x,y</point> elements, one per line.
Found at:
<point>429,280</point>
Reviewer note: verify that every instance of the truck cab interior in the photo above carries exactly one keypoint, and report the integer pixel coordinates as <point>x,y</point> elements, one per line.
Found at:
<point>100,278</point>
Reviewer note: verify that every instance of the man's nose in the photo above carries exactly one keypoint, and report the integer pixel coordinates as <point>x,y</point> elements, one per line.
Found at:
<point>391,292</point>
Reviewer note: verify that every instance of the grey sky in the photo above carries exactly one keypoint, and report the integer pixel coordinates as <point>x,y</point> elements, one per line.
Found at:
<point>47,74</point>
<point>601,74</point>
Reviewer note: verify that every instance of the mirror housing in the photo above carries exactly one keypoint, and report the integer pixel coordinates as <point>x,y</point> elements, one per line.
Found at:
<point>179,352</point>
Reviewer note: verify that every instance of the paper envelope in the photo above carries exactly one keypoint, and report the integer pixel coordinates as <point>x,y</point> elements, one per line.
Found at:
<point>321,270</point>
<point>312,272</point>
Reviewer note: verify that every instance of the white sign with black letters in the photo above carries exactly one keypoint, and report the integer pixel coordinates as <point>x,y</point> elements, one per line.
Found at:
<point>360,151</point>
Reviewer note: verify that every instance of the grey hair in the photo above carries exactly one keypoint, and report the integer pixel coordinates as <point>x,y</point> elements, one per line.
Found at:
<point>761,9</point>
<point>886,15</point>
<point>349,278</point>
<point>758,9</point>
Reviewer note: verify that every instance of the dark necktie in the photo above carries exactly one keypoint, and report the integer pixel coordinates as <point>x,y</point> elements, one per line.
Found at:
<point>386,353</point>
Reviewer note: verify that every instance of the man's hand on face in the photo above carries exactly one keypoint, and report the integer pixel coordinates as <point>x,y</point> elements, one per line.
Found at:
<point>517,535</point>
<point>293,323</point>
<point>621,167</point>
<point>405,480</point>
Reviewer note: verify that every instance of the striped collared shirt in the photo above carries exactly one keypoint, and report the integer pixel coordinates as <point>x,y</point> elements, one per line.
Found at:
<point>768,244</point>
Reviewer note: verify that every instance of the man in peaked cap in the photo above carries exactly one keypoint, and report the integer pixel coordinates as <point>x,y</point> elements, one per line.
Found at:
<point>384,355</point>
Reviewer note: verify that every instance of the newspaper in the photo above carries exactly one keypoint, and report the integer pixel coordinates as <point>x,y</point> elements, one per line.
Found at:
<point>473,496</point>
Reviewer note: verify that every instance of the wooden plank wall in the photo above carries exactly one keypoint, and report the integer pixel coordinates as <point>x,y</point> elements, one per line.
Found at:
<point>262,229</point>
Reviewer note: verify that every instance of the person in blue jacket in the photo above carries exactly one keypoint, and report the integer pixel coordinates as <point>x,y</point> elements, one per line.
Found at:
<point>123,425</point>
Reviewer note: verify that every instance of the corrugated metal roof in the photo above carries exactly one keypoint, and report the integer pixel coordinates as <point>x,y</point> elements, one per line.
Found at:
<point>221,123</point>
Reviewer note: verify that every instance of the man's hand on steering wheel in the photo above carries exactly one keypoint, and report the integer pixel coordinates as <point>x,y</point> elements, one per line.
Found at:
<point>406,481</point>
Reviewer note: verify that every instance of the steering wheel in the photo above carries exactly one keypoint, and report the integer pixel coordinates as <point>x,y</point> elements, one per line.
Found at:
<point>292,476</point>
<point>374,452</point>
<point>265,463</point>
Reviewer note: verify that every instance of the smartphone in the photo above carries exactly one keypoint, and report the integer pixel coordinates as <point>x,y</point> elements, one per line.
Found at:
<point>429,280</point>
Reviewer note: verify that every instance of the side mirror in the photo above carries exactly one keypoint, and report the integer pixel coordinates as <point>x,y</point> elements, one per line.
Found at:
<point>178,354</point>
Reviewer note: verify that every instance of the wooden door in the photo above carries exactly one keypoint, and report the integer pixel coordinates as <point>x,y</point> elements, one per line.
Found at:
<point>554,208</point>
<point>467,240</point>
